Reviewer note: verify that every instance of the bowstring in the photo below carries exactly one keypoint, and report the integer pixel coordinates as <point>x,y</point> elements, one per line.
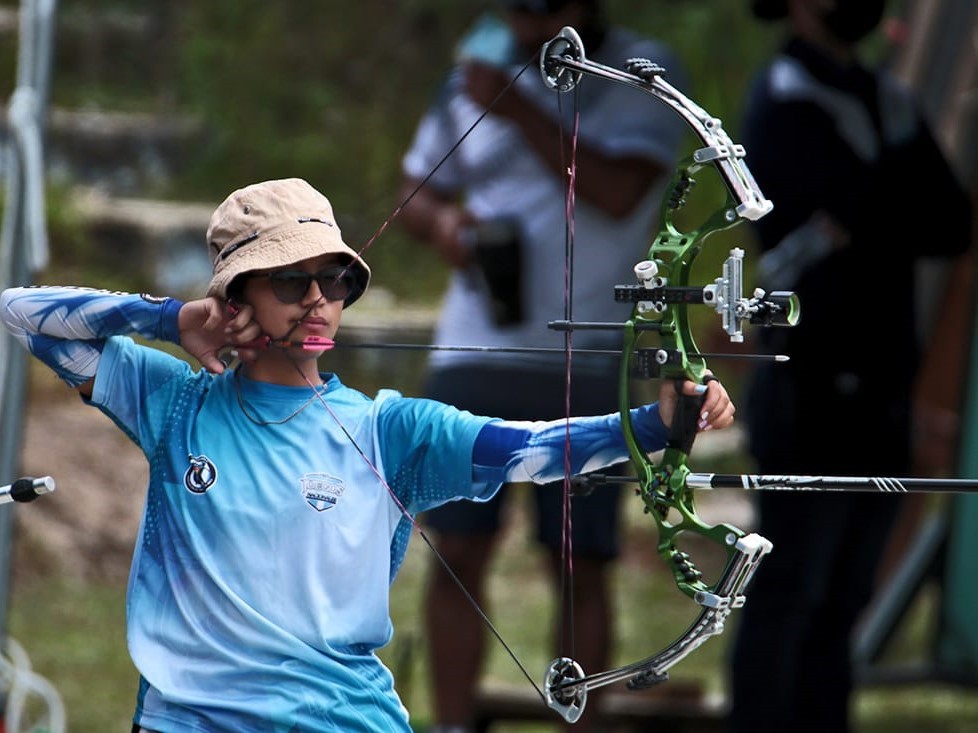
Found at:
<point>566,543</point>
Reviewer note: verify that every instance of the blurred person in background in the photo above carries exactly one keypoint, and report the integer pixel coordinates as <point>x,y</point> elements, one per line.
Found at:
<point>495,211</point>
<point>857,179</point>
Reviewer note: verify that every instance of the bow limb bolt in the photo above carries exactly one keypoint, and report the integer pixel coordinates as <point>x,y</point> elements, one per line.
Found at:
<point>660,304</point>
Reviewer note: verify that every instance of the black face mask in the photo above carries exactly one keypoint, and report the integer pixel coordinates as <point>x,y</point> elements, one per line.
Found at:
<point>853,20</point>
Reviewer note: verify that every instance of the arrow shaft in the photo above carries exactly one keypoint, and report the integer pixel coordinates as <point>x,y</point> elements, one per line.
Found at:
<point>880,484</point>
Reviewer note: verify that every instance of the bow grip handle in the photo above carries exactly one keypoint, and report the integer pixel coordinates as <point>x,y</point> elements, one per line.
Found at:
<point>685,420</point>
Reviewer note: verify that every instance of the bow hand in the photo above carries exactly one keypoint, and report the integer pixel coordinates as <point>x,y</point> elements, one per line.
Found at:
<point>686,407</point>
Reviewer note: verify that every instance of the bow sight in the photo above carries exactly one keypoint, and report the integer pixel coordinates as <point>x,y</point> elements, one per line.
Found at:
<point>780,308</point>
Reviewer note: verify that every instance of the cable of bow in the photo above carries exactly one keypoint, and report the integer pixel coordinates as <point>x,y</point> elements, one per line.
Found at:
<point>323,344</point>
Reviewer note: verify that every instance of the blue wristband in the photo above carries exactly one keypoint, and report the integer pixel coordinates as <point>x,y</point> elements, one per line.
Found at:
<point>170,320</point>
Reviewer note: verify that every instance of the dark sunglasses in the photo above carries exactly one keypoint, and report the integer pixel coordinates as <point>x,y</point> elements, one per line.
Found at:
<point>291,286</point>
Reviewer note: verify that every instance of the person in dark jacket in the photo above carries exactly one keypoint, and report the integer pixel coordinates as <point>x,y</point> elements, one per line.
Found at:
<point>857,181</point>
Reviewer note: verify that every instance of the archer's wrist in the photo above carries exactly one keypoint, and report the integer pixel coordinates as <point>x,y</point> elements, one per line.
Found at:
<point>651,431</point>
<point>170,320</point>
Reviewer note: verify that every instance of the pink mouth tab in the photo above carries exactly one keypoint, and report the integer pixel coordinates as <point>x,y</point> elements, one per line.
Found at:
<point>316,343</point>
<point>309,343</point>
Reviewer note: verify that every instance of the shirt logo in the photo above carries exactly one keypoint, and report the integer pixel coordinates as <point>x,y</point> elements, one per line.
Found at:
<point>320,490</point>
<point>201,475</point>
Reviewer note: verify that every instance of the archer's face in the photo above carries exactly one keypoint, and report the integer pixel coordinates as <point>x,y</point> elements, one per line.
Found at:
<point>290,303</point>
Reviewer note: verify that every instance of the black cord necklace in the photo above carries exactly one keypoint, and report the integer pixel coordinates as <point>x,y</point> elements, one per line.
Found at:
<point>258,421</point>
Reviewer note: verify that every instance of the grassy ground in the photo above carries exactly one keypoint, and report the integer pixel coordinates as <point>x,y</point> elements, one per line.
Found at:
<point>74,636</point>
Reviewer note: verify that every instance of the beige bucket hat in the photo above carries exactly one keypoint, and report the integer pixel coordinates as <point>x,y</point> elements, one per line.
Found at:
<point>274,224</point>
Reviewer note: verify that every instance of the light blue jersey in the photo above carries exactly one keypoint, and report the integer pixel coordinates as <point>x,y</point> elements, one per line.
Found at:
<point>266,552</point>
<point>259,587</point>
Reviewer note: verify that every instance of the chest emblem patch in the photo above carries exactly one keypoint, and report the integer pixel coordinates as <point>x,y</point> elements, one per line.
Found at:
<point>200,475</point>
<point>320,490</point>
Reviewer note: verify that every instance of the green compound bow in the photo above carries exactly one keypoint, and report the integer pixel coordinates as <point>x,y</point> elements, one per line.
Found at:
<point>661,299</point>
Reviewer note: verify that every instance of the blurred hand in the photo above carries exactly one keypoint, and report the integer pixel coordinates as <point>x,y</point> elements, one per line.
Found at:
<point>447,227</point>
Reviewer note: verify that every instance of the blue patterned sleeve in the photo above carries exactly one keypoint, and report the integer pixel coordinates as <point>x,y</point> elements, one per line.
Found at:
<point>66,327</point>
<point>507,451</point>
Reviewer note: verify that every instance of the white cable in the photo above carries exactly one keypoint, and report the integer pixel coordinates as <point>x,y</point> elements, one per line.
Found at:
<point>22,685</point>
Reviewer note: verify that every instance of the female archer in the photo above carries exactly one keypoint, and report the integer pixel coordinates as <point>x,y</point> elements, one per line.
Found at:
<point>280,502</point>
